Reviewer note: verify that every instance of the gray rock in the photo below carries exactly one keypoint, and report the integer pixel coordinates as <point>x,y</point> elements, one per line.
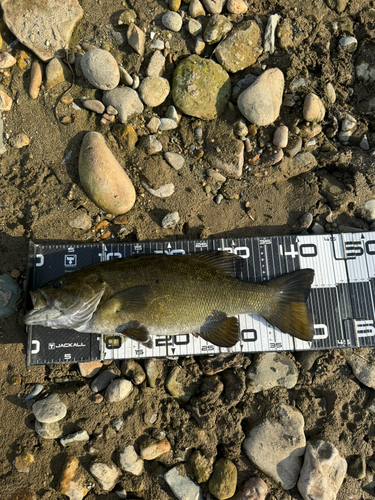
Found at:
<point>271,156</point>
<point>349,43</point>
<point>261,102</point>
<point>369,208</point>
<point>316,228</point>
<point>172,21</point>
<point>181,485</point>
<point>125,100</point>
<point>156,65</point>
<point>172,113</point>
<point>240,128</point>
<point>72,438</point>
<point>154,124</point>
<point>103,380</point>
<point>154,371</point>
<point>231,165</point>
<point>243,84</point>
<point>94,105</point>
<point>348,127</point>
<point>106,475</point>
<point>363,365</point>
<point>3,149</point>
<point>125,78</point>
<point>272,370</point>
<point>37,389</point>
<point>236,6</point>
<point>81,221</point>
<point>55,21</point>
<point>305,222</point>
<point>181,383</point>
<point>134,371</point>
<point>280,136</point>
<point>322,473</point>
<point>167,124</point>
<point>136,39</point>
<point>218,198</point>
<point>175,160</point>
<point>330,93</point>
<point>101,69</point>
<point>136,82</point>
<point>50,409</point>
<point>152,145</point>
<point>170,220</point>
<point>313,108</point>
<point>162,192</point>
<point>129,461</point>
<point>118,390</point>
<point>201,88</point>
<point>199,46</point>
<point>307,358</point>
<point>271,449</point>
<point>157,45</point>
<point>214,6</point>
<point>154,90</point>
<point>196,9</point>
<point>294,146</point>
<point>217,27</point>
<point>240,49</point>
<point>9,293</point>
<point>117,424</point>
<point>48,431</point>
<point>269,34</point>
<point>194,27</point>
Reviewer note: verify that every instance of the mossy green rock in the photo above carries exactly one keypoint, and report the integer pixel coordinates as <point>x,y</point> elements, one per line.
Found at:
<point>201,88</point>
<point>240,49</point>
<point>217,27</point>
<point>202,466</point>
<point>224,479</point>
<point>337,5</point>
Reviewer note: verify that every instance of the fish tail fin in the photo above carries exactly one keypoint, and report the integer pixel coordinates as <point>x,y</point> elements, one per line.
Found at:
<point>289,312</point>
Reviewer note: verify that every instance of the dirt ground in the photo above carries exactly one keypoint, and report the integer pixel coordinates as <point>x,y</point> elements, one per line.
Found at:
<point>40,193</point>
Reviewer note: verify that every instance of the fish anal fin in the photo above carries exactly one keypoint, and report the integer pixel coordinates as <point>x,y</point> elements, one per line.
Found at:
<point>224,334</point>
<point>132,299</point>
<point>139,333</point>
<point>221,261</point>
<point>290,313</point>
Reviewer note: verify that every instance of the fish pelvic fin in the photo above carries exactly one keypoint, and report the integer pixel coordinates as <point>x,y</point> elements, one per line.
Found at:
<point>290,313</point>
<point>135,331</point>
<point>225,334</point>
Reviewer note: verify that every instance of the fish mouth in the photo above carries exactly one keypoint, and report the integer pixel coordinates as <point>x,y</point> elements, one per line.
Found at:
<point>42,314</point>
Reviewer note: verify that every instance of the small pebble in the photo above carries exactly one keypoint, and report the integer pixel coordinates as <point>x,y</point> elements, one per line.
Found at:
<point>102,381</point>
<point>129,16</point>
<point>157,45</point>
<point>154,449</point>
<point>134,371</point>
<point>136,39</point>
<point>170,220</point>
<point>154,90</point>
<point>240,128</point>
<point>174,5</point>
<point>172,113</point>
<point>196,9</point>
<point>313,108</point>
<point>56,72</point>
<point>37,389</point>
<point>22,462</point>
<point>118,390</point>
<point>305,221</point>
<point>35,80</point>
<point>48,431</point>
<point>349,43</point>
<point>317,228</point>
<point>199,46</point>
<point>101,69</point>
<point>167,124</point>
<point>223,481</point>
<point>156,65</point>
<point>280,137</point>
<point>125,78</point>
<point>194,27</point>
<point>94,105</point>
<point>181,485</point>
<point>117,424</point>
<point>154,124</point>
<point>175,160</point>
<point>136,82</point>
<point>152,145</point>
<point>214,174</point>
<point>129,461</point>
<point>106,475</point>
<point>5,101</point>
<point>6,60</point>
<point>72,438</point>
<point>172,21</point>
<point>218,198</point>
<point>50,409</point>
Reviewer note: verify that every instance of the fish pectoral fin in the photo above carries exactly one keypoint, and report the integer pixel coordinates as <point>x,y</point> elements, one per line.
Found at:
<point>139,333</point>
<point>134,298</point>
<point>225,334</point>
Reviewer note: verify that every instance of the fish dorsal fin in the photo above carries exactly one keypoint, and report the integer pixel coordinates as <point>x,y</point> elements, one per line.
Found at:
<point>223,334</point>
<point>221,261</point>
<point>133,299</point>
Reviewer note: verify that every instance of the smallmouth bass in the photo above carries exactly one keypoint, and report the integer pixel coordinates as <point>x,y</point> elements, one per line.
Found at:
<point>153,294</point>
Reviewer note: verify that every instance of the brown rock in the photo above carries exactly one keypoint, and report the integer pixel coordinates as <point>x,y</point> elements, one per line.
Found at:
<point>35,80</point>
<point>6,60</point>
<point>136,39</point>
<point>74,481</point>
<point>54,19</point>
<point>89,370</point>
<point>254,489</point>
<point>56,72</point>
<point>5,101</point>
<point>103,178</point>
<point>153,449</point>
<point>126,135</point>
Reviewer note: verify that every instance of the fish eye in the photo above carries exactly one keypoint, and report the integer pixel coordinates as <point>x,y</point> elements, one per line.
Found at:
<point>57,284</point>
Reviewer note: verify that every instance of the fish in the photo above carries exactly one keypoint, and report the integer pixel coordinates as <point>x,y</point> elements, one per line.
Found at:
<point>153,294</point>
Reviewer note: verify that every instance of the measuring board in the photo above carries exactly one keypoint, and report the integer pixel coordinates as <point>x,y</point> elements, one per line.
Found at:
<point>341,300</point>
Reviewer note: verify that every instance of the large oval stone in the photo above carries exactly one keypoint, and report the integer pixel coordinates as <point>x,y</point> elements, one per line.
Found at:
<point>104,180</point>
<point>201,88</point>
<point>260,103</point>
